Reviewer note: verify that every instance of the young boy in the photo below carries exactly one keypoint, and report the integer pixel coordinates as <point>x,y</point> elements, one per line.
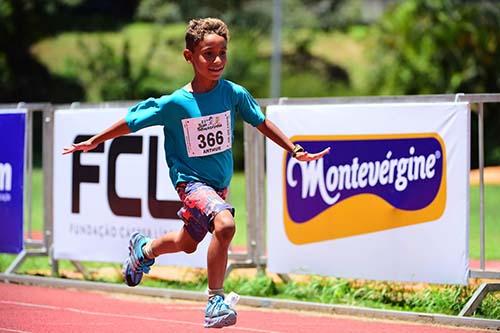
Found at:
<point>197,121</point>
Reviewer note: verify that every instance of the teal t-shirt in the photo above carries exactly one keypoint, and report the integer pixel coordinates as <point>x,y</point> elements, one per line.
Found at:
<point>169,111</point>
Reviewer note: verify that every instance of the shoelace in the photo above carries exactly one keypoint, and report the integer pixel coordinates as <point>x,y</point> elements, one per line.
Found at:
<point>140,265</point>
<point>217,303</point>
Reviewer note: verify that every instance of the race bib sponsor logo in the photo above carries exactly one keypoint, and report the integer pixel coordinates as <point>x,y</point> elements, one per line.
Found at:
<point>367,183</point>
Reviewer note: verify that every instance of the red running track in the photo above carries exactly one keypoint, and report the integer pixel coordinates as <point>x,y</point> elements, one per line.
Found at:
<point>39,309</point>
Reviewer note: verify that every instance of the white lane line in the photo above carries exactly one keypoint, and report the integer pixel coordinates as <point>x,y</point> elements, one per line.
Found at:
<point>107,314</point>
<point>43,306</point>
<point>3,329</point>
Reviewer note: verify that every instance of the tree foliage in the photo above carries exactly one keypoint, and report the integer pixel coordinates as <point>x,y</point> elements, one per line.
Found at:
<point>107,74</point>
<point>24,78</point>
<point>438,46</point>
<point>23,22</point>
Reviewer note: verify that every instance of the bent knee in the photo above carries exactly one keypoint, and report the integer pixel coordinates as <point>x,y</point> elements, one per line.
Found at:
<point>224,226</point>
<point>189,248</point>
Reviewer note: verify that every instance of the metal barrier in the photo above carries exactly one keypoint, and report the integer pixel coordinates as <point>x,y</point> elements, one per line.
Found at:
<point>255,255</point>
<point>255,236</point>
<point>257,180</point>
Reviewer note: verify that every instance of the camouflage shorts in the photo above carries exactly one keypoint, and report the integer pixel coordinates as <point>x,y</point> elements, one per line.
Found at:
<point>201,203</point>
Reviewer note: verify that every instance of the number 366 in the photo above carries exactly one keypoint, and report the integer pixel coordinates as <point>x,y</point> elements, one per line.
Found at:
<point>210,139</point>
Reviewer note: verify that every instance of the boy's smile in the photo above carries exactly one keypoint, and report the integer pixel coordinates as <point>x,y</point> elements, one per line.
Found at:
<point>209,60</point>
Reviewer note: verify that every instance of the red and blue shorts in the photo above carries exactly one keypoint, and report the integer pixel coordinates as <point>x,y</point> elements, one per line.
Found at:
<point>201,203</point>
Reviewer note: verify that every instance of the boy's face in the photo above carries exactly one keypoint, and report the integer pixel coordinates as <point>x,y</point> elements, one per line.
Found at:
<point>208,57</point>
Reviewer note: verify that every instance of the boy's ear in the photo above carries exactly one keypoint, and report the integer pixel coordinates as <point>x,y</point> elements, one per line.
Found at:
<point>188,55</point>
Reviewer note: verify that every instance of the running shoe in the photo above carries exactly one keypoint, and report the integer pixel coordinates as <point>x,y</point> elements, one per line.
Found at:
<point>136,264</point>
<point>218,314</point>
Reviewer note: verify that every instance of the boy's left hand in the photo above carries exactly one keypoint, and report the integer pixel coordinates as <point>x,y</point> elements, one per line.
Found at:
<point>306,157</point>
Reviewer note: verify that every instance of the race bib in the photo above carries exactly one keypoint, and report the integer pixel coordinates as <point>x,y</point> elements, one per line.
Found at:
<point>207,135</point>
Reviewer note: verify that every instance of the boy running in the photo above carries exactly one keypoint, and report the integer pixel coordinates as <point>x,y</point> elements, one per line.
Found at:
<point>197,122</point>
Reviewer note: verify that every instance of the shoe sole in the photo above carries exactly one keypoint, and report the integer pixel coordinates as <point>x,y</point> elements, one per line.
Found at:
<point>219,322</point>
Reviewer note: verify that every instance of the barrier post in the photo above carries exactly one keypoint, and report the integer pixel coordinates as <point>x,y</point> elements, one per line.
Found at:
<point>481,184</point>
<point>48,176</point>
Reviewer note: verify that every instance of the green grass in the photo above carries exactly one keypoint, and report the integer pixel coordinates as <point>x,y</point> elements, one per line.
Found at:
<point>492,222</point>
<point>64,53</point>
<point>55,52</point>
<point>382,295</point>
<point>67,53</point>
<point>36,202</point>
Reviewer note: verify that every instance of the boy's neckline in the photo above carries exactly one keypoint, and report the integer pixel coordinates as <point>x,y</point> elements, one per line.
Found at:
<point>188,88</point>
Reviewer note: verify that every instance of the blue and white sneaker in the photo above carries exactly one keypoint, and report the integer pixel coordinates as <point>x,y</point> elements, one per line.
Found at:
<point>136,264</point>
<point>218,314</point>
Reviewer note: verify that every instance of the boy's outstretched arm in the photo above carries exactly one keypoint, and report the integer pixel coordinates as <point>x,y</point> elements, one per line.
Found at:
<point>117,129</point>
<point>269,129</point>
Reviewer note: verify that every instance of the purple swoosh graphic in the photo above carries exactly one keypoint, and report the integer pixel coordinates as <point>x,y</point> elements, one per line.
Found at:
<point>350,170</point>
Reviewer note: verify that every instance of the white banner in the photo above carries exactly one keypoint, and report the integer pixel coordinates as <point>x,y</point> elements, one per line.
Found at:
<point>101,197</point>
<point>389,202</point>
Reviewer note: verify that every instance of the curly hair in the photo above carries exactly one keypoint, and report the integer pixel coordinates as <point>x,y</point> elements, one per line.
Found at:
<point>198,28</point>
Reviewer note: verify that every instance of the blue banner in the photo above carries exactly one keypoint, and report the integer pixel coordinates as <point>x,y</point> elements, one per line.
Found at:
<point>12,146</point>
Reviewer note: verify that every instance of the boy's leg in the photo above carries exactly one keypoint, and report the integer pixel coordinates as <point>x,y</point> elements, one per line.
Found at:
<point>205,210</point>
<point>172,242</point>
<point>143,251</point>
<point>217,313</point>
<point>224,229</point>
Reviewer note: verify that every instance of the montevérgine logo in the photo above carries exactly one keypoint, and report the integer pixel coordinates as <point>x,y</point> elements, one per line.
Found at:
<point>367,183</point>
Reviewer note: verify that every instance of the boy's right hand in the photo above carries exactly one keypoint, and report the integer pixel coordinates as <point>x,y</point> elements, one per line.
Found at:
<point>84,146</point>
<point>306,156</point>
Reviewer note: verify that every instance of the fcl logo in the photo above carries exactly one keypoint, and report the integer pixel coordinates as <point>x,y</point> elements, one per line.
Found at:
<point>367,183</point>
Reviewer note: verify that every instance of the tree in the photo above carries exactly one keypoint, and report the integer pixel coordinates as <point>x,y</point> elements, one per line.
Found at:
<point>438,46</point>
<point>23,22</point>
<point>23,78</point>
